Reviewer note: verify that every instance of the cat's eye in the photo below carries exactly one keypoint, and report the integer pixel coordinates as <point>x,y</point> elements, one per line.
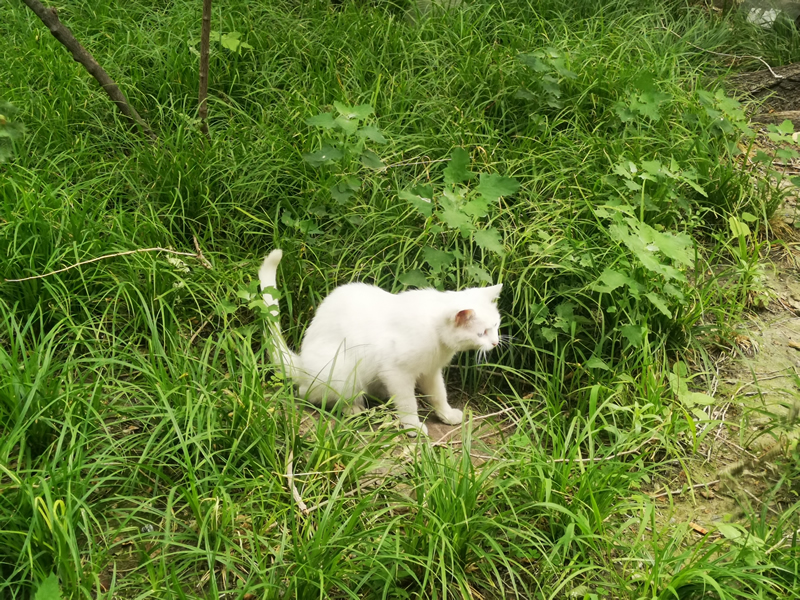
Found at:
<point>485,332</point>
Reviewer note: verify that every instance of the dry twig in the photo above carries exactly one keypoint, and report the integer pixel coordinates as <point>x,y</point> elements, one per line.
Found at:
<point>734,56</point>
<point>198,255</point>
<point>62,33</point>
<point>682,490</point>
<point>290,482</point>
<point>611,457</point>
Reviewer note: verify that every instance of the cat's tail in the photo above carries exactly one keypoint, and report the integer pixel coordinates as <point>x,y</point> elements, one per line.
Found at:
<point>279,351</point>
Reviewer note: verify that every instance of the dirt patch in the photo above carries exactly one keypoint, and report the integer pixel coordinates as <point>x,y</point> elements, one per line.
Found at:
<point>757,387</point>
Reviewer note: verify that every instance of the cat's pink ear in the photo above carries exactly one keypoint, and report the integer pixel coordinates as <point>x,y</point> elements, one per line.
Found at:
<point>464,316</point>
<point>493,292</point>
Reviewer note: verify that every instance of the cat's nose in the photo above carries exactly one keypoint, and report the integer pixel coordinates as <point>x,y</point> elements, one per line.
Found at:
<point>495,343</point>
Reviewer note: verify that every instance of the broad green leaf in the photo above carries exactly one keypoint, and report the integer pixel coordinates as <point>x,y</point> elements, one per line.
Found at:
<point>477,207</point>
<point>729,531</point>
<point>534,61</point>
<point>596,363</point>
<point>648,104</point>
<point>691,399</point>
<point>421,197</point>
<point>762,157</point>
<point>738,228</point>
<point>659,303</point>
<point>549,334</point>
<point>524,95</point>
<point>371,160</point>
<point>455,195</point>
<point>373,133</point>
<point>342,192</point>
<point>48,589</point>
<point>633,333</point>
<point>458,168</point>
<point>349,126</point>
<point>453,217</point>
<point>478,274</point>
<point>746,216</point>
<point>307,227</point>
<point>415,279</point>
<point>632,185</point>
<point>225,307</point>
<point>652,166</point>
<point>492,187</point>
<point>626,169</point>
<point>786,127</point>
<point>489,239</point>
<point>561,69</point>
<point>354,112</point>
<point>437,259</point>
<point>539,313</point>
<point>232,42</point>
<point>322,156</point>
<point>624,112</point>
<point>611,280</point>
<point>677,246</point>
<point>249,291</point>
<point>324,120</point>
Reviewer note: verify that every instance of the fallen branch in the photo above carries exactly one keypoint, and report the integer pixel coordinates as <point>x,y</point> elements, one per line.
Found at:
<point>62,33</point>
<point>734,56</point>
<point>682,490</point>
<point>611,457</point>
<point>198,255</point>
<point>443,441</point>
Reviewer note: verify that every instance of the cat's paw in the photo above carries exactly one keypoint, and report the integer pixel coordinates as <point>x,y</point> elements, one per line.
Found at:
<point>356,407</point>
<point>413,428</point>
<point>451,416</point>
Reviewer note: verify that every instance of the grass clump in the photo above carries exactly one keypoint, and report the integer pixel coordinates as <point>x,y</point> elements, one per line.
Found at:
<point>581,153</point>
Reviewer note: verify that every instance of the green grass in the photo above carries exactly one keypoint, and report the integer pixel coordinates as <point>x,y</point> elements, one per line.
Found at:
<point>142,459</point>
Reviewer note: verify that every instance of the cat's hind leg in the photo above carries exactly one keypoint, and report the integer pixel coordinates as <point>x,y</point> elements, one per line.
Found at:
<point>433,387</point>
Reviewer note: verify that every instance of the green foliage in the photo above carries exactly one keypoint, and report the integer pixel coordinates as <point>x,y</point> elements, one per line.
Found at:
<point>453,207</point>
<point>344,139</point>
<point>230,41</point>
<point>144,438</point>
<point>10,130</point>
<point>48,589</point>
<point>547,70</point>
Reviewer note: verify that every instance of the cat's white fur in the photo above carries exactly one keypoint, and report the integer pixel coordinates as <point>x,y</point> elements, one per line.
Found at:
<point>366,340</point>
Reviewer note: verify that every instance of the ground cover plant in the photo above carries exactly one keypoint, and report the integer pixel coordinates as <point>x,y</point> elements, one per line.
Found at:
<point>585,154</point>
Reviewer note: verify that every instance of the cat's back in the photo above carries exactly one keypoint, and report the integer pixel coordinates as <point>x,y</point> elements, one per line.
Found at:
<point>355,301</point>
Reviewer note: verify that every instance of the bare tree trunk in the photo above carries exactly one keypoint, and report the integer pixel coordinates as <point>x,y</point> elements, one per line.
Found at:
<point>202,97</point>
<point>63,34</point>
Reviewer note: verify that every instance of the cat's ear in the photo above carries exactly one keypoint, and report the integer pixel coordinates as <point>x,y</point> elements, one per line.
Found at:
<point>464,316</point>
<point>493,292</point>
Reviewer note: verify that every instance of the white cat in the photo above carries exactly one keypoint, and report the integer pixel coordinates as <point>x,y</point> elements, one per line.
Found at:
<point>366,340</point>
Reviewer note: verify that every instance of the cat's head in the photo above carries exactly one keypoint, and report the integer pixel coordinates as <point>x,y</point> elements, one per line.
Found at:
<point>475,325</point>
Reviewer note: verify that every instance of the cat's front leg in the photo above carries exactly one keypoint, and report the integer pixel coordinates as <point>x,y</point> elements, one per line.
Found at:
<point>433,387</point>
<point>401,389</point>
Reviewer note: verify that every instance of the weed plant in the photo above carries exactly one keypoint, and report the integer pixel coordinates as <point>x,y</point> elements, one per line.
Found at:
<point>583,153</point>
